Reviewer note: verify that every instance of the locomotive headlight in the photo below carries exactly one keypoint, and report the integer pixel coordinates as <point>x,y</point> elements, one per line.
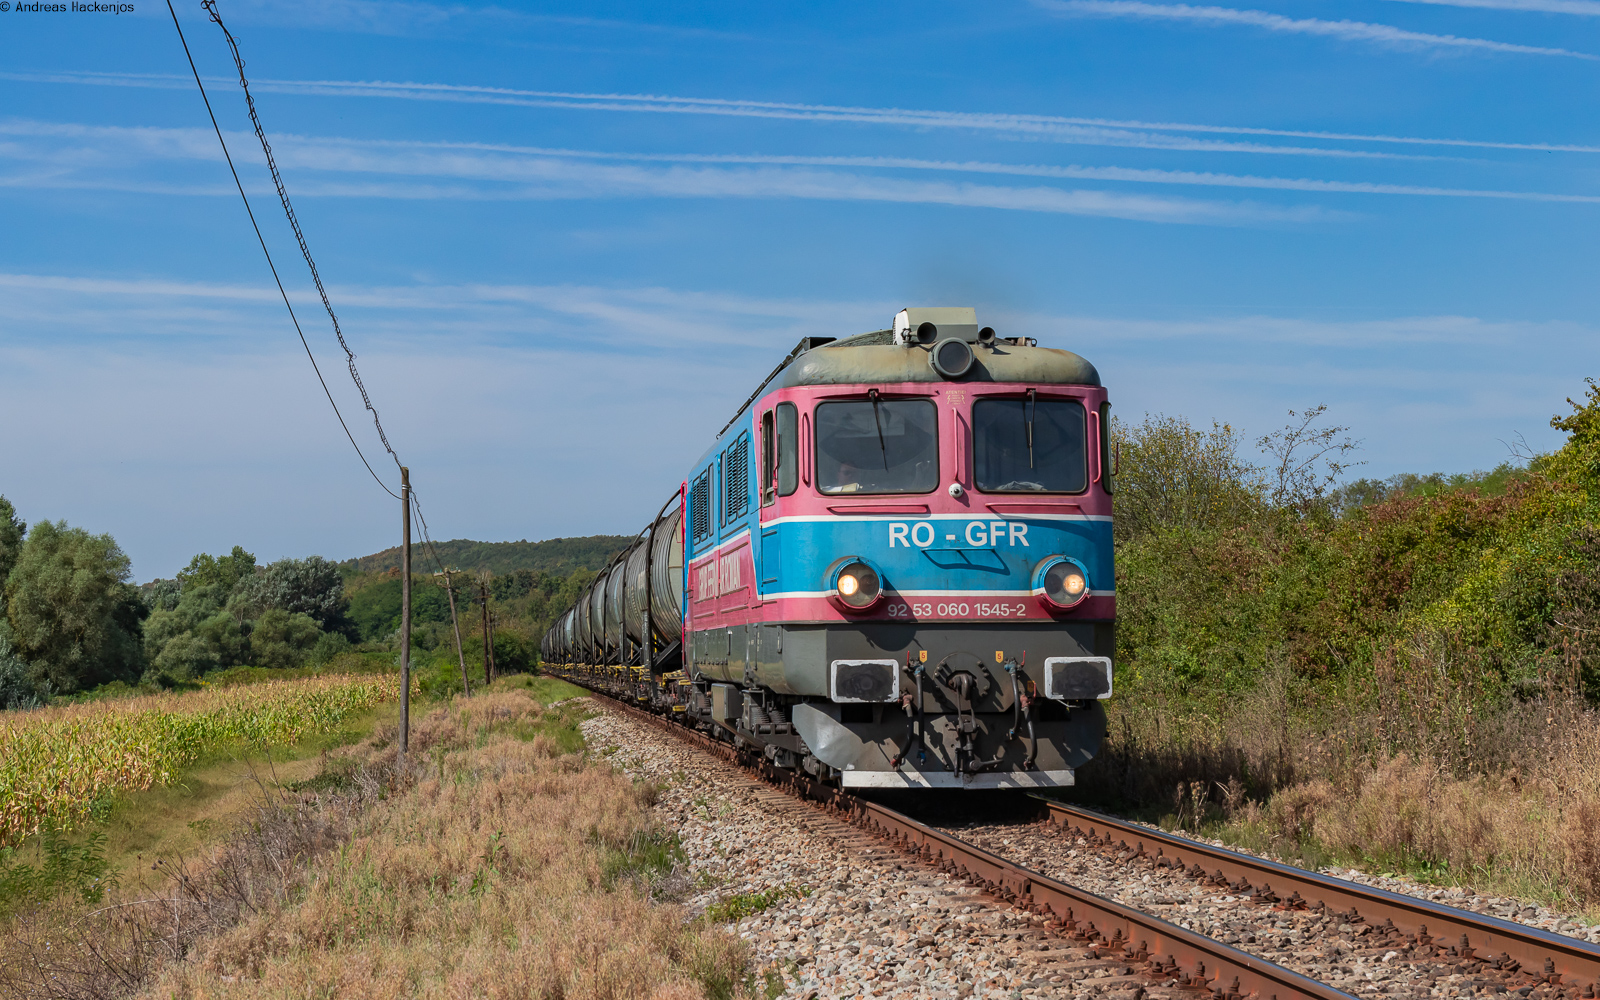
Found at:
<point>856,584</point>
<point>1060,582</point>
<point>1065,584</point>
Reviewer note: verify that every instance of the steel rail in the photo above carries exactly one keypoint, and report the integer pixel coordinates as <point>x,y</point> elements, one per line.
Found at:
<point>1157,949</point>
<point>1555,958</point>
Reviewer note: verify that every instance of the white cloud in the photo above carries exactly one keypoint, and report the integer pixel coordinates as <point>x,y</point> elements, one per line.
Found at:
<point>1584,8</point>
<point>507,172</point>
<point>1354,31</point>
<point>69,156</point>
<point>1080,131</point>
<point>1061,128</point>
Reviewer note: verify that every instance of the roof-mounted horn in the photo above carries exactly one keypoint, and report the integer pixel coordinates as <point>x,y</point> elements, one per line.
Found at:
<point>927,325</point>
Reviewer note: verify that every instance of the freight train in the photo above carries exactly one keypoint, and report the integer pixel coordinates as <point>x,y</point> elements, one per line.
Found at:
<point>891,570</point>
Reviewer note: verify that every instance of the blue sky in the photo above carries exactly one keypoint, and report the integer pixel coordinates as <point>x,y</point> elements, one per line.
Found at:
<point>566,240</point>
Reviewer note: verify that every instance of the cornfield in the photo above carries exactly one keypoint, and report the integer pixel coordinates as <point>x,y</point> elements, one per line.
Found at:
<point>57,763</point>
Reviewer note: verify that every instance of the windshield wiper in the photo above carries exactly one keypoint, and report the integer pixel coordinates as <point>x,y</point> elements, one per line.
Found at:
<point>872,394</point>
<point>1028,421</point>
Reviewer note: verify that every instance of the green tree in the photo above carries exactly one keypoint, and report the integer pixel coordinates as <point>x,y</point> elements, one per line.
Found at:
<point>375,609</point>
<point>18,688</point>
<point>310,586</point>
<point>223,571</point>
<point>12,530</point>
<point>329,645</point>
<point>72,614</point>
<point>183,657</point>
<point>1175,476</point>
<point>194,636</point>
<point>162,595</point>
<point>1579,458</point>
<point>283,639</point>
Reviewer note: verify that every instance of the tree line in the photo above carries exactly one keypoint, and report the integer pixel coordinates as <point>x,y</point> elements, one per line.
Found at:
<point>71,622</point>
<point>1232,566</point>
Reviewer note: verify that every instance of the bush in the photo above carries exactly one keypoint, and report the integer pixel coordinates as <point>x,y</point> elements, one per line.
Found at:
<point>18,688</point>
<point>329,645</point>
<point>1174,476</point>
<point>282,639</point>
<point>80,869</point>
<point>184,657</point>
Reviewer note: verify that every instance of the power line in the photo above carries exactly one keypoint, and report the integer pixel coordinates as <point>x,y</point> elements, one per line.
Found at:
<point>305,251</point>
<point>210,6</point>
<point>288,210</point>
<point>426,539</point>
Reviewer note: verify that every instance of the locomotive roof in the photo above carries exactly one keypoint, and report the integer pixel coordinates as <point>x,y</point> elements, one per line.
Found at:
<point>875,357</point>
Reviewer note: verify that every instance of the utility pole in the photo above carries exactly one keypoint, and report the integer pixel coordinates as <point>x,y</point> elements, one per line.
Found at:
<point>494,667</point>
<point>456,627</point>
<point>483,597</point>
<point>405,609</point>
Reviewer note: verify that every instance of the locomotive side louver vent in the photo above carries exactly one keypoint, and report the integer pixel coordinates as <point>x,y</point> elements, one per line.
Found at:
<point>736,472</point>
<point>700,506</point>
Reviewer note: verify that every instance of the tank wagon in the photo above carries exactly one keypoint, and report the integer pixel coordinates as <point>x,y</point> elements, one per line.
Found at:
<point>892,568</point>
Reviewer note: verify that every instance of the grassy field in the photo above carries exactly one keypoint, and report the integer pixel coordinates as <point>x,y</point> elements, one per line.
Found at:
<point>497,859</point>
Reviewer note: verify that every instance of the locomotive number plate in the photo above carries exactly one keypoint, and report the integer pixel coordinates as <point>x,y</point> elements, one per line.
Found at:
<point>958,609</point>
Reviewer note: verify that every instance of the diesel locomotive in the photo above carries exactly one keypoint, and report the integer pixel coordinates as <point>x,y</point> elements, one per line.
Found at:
<point>892,569</point>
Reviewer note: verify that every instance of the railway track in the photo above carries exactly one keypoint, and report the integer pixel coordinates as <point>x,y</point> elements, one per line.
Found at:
<point>1159,953</point>
<point>1496,953</point>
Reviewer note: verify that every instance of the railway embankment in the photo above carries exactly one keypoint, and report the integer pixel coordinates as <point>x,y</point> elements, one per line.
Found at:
<point>1040,845</point>
<point>830,911</point>
<point>1354,955</point>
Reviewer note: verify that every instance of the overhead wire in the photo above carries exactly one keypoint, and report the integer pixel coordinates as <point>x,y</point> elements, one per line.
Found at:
<point>283,196</point>
<point>268,253</point>
<point>294,223</point>
<point>426,540</point>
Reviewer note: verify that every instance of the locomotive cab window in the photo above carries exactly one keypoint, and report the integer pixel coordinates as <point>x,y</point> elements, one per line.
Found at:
<point>769,460</point>
<point>1029,445</point>
<point>878,446</point>
<point>780,465</point>
<point>788,449</point>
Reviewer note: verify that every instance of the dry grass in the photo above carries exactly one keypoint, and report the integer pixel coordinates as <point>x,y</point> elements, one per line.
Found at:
<point>1530,832</point>
<point>478,867</point>
<point>1420,777</point>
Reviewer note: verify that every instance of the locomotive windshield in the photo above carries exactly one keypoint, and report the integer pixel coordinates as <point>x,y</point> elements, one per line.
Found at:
<point>1029,445</point>
<point>877,446</point>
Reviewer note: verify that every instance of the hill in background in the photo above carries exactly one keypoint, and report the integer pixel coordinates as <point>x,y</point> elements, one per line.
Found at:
<point>555,556</point>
